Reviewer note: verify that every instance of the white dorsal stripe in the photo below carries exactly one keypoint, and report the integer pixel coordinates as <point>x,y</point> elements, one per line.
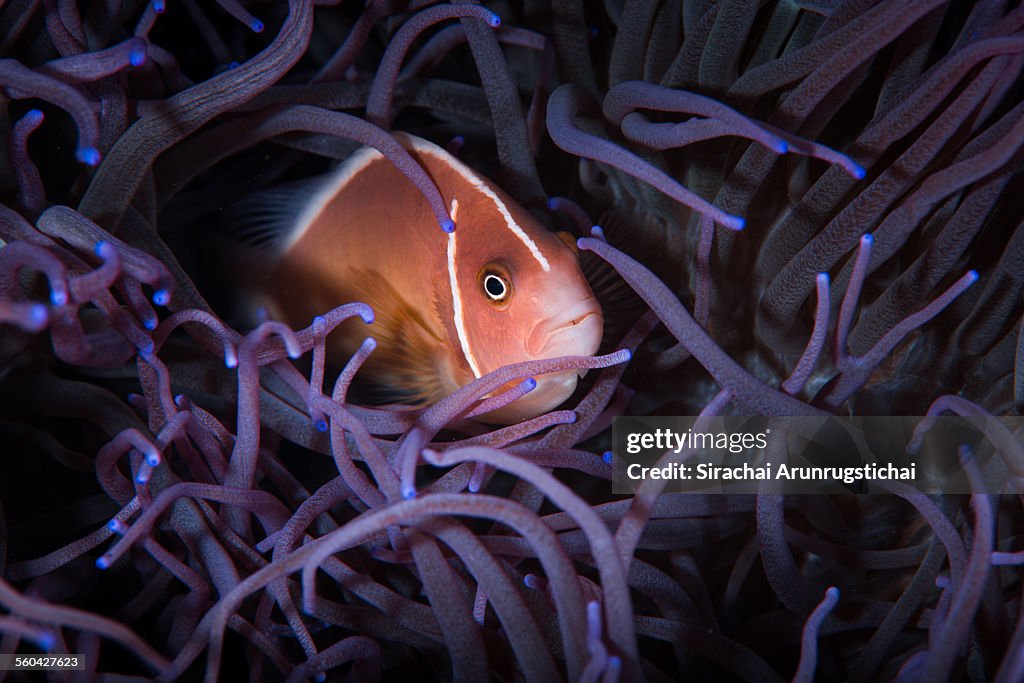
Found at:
<point>474,180</point>
<point>460,325</point>
<point>333,185</point>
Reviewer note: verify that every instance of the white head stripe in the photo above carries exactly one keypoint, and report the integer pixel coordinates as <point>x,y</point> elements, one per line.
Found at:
<point>455,210</point>
<point>460,327</point>
<point>470,177</point>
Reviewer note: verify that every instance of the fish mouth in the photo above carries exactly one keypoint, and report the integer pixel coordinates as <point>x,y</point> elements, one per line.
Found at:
<point>576,332</point>
<point>574,324</point>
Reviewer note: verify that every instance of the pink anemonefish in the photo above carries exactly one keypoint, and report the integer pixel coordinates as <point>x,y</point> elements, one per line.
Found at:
<point>449,307</point>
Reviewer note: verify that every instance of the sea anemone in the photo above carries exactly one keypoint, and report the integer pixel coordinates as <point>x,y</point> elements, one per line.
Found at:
<point>788,208</point>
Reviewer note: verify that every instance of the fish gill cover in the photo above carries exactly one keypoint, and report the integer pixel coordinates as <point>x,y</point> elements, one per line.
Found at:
<point>181,500</point>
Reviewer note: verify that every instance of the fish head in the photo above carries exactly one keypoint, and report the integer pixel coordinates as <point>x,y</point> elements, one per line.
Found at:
<point>529,300</point>
<point>516,289</point>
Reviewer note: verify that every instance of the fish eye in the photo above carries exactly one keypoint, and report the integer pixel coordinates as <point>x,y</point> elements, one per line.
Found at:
<point>496,285</point>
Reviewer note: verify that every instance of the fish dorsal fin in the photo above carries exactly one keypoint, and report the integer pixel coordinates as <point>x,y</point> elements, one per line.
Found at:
<point>409,365</point>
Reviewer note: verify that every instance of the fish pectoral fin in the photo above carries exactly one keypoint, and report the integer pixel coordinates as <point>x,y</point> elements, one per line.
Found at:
<point>409,364</point>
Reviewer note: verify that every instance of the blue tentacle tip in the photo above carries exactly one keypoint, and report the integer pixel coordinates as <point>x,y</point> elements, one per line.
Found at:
<point>137,56</point>
<point>972,275</point>
<point>494,20</point>
<point>58,298</point>
<point>38,315</point>
<point>448,225</point>
<point>47,641</point>
<point>257,26</point>
<point>736,223</point>
<point>529,384</point>
<point>104,561</point>
<point>320,425</point>
<point>90,156</point>
<point>408,493</point>
<point>857,171</point>
<point>368,316</point>
<point>161,297</point>
<point>34,116</point>
<point>159,6</point>
<point>607,457</point>
<point>781,146</point>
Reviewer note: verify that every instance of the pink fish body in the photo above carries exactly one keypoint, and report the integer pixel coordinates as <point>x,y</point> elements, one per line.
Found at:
<point>449,307</point>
